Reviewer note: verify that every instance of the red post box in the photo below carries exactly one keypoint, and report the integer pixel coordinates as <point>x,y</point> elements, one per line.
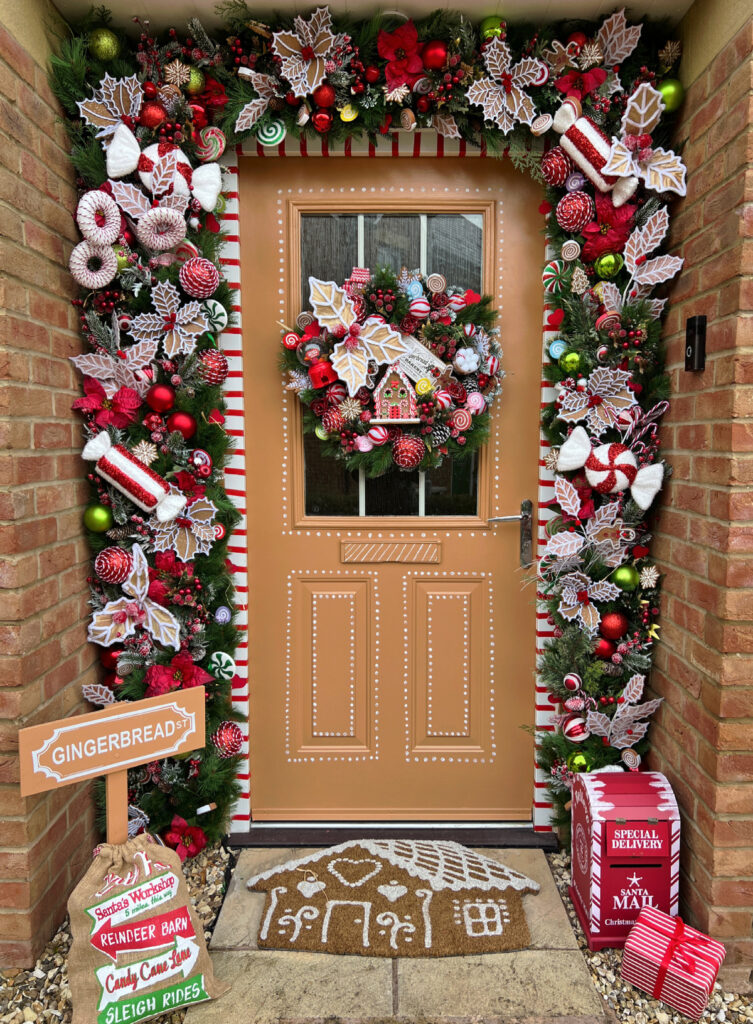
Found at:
<point>625,851</point>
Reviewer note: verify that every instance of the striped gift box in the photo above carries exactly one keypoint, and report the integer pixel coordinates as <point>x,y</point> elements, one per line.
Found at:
<point>671,961</point>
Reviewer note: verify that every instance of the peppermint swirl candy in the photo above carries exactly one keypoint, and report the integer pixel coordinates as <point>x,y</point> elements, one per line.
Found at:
<point>211,144</point>
<point>436,283</point>
<point>554,277</point>
<point>570,250</point>
<point>631,759</point>
<point>461,419</point>
<point>222,666</point>
<point>541,124</point>
<point>273,133</point>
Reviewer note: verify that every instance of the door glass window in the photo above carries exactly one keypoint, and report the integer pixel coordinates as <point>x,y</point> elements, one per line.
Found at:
<point>451,244</point>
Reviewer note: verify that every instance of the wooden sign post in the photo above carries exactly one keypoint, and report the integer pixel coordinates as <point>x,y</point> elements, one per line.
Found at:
<point>109,742</point>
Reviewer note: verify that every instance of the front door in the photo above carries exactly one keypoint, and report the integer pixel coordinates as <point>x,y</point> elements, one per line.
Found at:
<point>391,638</point>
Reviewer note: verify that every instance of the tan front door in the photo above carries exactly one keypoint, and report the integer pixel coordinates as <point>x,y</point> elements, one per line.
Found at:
<point>391,640</point>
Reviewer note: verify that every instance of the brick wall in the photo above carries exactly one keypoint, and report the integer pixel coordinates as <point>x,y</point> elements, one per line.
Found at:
<point>703,736</point>
<point>45,841</point>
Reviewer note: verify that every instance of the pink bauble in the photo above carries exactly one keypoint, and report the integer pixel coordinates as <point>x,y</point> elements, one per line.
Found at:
<point>113,565</point>
<point>475,403</point>
<point>378,435</point>
<point>364,443</point>
<point>199,277</point>
<point>575,729</point>
<point>420,308</point>
<point>407,451</point>
<point>555,167</point>
<point>574,211</point>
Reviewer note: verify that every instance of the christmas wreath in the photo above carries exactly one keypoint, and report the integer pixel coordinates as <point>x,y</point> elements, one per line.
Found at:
<point>394,370</point>
<point>582,108</point>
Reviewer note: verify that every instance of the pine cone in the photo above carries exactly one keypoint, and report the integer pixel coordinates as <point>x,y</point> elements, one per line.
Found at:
<point>439,434</point>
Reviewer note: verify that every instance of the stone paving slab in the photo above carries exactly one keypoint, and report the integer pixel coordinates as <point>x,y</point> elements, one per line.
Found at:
<point>548,983</point>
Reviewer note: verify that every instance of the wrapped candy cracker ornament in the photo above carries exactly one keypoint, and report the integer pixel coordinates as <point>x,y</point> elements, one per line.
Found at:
<point>588,147</point>
<point>611,468</point>
<point>144,488</point>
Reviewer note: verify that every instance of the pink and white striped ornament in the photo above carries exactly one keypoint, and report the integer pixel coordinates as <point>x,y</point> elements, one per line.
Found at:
<point>378,435</point>
<point>420,308</point>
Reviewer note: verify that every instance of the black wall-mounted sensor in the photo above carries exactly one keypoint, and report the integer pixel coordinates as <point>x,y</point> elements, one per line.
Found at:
<point>695,343</point>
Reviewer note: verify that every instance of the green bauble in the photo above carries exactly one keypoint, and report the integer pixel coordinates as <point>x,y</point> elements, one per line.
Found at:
<point>672,93</point>
<point>122,255</point>
<point>609,265</point>
<point>626,577</point>
<point>570,362</point>
<point>320,432</point>
<point>98,518</point>
<point>196,82</point>
<point>491,27</point>
<point>103,44</point>
<point>579,761</point>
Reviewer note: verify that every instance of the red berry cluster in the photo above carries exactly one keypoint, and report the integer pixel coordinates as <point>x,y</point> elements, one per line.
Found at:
<point>348,440</point>
<point>238,53</point>
<point>105,302</point>
<point>444,346</point>
<point>171,131</point>
<point>383,299</point>
<point>426,411</point>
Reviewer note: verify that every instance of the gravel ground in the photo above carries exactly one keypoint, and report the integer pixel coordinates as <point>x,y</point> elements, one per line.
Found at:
<point>42,994</point>
<point>629,1004</point>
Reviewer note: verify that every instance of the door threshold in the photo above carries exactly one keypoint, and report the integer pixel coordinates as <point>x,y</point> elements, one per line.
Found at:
<point>505,834</point>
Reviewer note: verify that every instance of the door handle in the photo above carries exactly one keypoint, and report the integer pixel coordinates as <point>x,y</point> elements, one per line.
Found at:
<point>525,518</point>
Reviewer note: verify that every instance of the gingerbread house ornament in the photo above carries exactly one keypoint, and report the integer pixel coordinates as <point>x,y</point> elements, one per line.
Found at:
<point>395,398</point>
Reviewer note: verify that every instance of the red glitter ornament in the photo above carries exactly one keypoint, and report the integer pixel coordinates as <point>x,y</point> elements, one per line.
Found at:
<point>199,277</point>
<point>182,422</point>
<point>153,114</point>
<point>150,90</point>
<point>434,54</point>
<point>407,451</point>
<point>212,366</point>
<point>108,657</point>
<point>556,165</point>
<point>423,103</point>
<point>604,648</point>
<point>228,739</point>
<point>160,397</point>
<point>324,95</point>
<point>614,625</point>
<point>113,565</point>
<point>322,121</point>
<point>371,74</point>
<point>574,211</point>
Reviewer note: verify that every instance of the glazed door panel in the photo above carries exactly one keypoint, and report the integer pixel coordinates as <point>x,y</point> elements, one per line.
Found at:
<point>391,643</point>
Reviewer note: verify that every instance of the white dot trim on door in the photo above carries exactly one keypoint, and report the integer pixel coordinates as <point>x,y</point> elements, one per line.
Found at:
<point>299,574</point>
<point>351,638</point>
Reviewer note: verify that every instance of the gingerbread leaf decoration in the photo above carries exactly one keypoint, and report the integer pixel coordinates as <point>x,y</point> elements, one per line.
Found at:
<point>644,240</point>
<point>564,545</point>
<point>351,366</point>
<point>266,89</point>
<point>331,306</point>
<point>617,38</point>
<point>658,270</point>
<point>130,199</point>
<point>598,724</point>
<point>634,689</point>
<point>566,496</point>
<point>96,693</point>
<point>643,111</point>
<point>665,172</point>
<point>446,125</point>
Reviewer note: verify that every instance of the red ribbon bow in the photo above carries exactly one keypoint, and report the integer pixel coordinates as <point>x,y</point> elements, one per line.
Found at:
<point>677,940</point>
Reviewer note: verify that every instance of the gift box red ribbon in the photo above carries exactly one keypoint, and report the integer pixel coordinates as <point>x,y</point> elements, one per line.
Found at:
<point>681,944</point>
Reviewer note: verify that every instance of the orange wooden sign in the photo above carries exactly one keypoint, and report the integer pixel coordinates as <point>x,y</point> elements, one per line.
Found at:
<point>119,737</point>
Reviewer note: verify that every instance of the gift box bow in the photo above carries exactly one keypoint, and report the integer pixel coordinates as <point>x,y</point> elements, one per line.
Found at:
<point>686,947</point>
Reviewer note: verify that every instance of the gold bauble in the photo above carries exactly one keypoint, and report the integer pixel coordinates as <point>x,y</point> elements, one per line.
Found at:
<point>103,44</point>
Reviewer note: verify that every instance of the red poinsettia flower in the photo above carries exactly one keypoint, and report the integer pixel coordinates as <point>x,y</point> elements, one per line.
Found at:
<point>187,840</point>
<point>610,231</point>
<point>581,83</point>
<point>401,51</point>
<point>214,96</point>
<point>189,485</point>
<point>180,674</point>
<point>118,411</point>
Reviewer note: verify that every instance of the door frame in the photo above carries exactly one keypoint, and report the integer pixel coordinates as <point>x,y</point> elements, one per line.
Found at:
<point>399,145</point>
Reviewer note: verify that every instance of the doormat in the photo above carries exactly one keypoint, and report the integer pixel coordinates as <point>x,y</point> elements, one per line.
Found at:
<point>393,898</point>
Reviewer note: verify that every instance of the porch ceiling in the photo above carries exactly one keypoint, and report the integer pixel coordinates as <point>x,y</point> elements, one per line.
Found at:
<point>176,12</point>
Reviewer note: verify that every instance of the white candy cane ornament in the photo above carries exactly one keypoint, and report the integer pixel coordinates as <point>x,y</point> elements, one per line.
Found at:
<point>589,148</point>
<point>141,485</point>
<point>611,468</point>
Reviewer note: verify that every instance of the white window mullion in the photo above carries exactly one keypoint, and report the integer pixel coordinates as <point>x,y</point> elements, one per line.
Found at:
<point>423,243</point>
<point>361,242</point>
<point>361,492</point>
<point>422,492</point>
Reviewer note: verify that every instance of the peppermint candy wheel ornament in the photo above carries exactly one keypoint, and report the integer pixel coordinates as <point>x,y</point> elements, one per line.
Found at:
<point>272,134</point>
<point>222,666</point>
<point>555,277</point>
<point>211,144</point>
<point>611,468</point>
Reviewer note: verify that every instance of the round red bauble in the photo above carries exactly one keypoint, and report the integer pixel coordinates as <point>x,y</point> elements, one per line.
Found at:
<point>213,367</point>
<point>108,657</point>
<point>291,99</point>
<point>434,54</point>
<point>574,211</point>
<point>152,114</point>
<point>423,103</point>
<point>579,38</point>
<point>150,90</point>
<point>322,121</point>
<point>407,451</point>
<point>199,277</point>
<point>371,74</point>
<point>160,397</point>
<point>556,165</point>
<point>324,95</point>
<point>614,625</point>
<point>604,648</point>
<point>182,422</point>
<point>228,739</point>
<point>113,565</point>
<point>575,729</point>
<point>199,112</point>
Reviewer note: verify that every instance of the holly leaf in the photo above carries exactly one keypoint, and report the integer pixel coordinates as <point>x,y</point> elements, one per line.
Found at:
<point>620,161</point>
<point>665,171</point>
<point>175,201</point>
<point>383,343</point>
<point>603,590</point>
<point>621,740</point>
<point>104,630</point>
<point>492,97</point>
<point>644,240</point>
<point>589,616</point>
<point>162,624</point>
<point>93,364</point>
<point>521,105</point>
<point>163,173</point>
<point>266,89</point>
<point>643,112</point>
<point>527,71</point>
<point>617,38</point>
<point>497,58</point>
<point>351,366</point>
<point>566,496</point>
<point>598,724</point>
<point>317,31</point>
<point>137,584</point>
<point>634,689</point>
<point>446,125</point>
<point>122,95</point>
<point>565,544</point>
<point>95,113</point>
<point>656,307</point>
<point>611,296</point>
<point>661,269</point>
<point>96,693</point>
<point>331,306</point>
<point>130,199</point>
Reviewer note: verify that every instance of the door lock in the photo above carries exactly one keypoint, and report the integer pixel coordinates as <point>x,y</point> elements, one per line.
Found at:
<point>525,518</point>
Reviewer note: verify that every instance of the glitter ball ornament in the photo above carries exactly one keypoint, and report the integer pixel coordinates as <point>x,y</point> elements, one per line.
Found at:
<point>160,397</point>
<point>152,115</point>
<point>104,45</point>
<point>212,367</point>
<point>407,451</point>
<point>196,81</point>
<point>183,422</point>
<point>113,565</point>
<point>574,211</point>
<point>613,625</point>
<point>228,739</point>
<point>604,648</point>
<point>611,468</point>
<point>333,421</point>
<point>609,265</point>
<point>98,518</point>
<point>574,728</point>
<point>199,277</point>
<point>555,167</point>
<point>98,217</point>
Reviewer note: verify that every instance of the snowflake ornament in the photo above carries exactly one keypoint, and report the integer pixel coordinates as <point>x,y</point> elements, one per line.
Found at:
<point>145,452</point>
<point>303,53</point>
<point>577,595</point>
<point>649,577</point>
<point>501,96</point>
<point>120,618</point>
<point>372,340</point>
<point>396,95</point>
<point>298,380</point>
<point>599,400</point>
<point>624,729</point>
<point>177,73</point>
<point>189,534</point>
<point>176,327</point>
<point>634,154</point>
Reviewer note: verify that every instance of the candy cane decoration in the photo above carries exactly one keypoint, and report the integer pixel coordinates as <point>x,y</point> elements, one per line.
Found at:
<point>141,485</point>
